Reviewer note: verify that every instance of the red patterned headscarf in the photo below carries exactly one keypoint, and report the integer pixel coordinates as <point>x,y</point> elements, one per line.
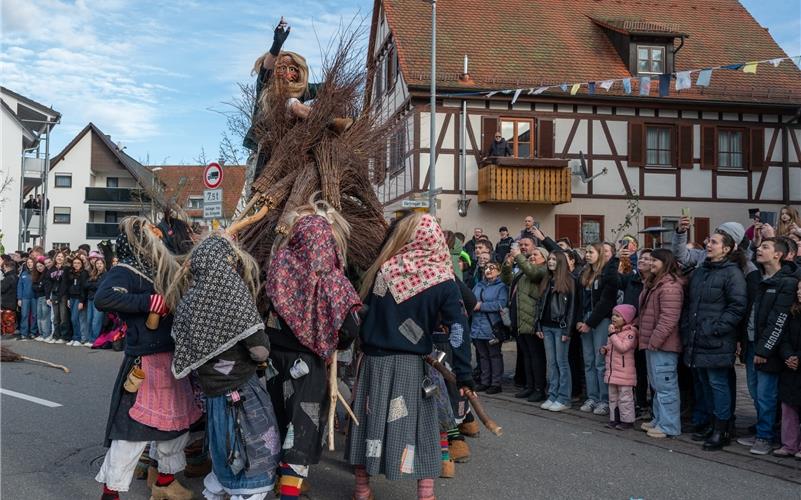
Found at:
<point>308,287</point>
<point>423,262</point>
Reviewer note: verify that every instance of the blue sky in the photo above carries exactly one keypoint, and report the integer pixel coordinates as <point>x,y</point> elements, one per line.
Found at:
<point>153,74</point>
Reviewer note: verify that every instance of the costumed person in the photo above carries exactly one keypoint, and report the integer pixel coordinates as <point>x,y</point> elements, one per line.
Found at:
<point>148,404</point>
<point>219,333</point>
<point>409,291</point>
<point>312,312</point>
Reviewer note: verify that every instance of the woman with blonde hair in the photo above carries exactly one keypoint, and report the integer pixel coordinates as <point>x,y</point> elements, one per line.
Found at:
<point>410,290</point>
<point>789,222</point>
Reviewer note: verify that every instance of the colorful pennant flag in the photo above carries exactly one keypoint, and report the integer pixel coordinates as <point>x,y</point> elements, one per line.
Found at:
<point>733,67</point>
<point>575,88</point>
<point>750,67</point>
<point>683,80</point>
<point>645,85</point>
<point>627,85</point>
<point>517,94</point>
<point>540,90</point>
<point>563,87</point>
<point>664,85</point>
<point>704,78</point>
<point>492,93</point>
<point>776,62</point>
<point>607,84</point>
<point>591,88</point>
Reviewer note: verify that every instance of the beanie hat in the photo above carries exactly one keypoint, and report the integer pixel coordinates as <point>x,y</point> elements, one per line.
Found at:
<point>545,253</point>
<point>628,312</point>
<point>95,255</point>
<point>733,229</point>
<point>40,259</point>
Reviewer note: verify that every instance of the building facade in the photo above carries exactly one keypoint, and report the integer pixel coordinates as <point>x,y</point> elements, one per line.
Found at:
<point>713,151</point>
<point>183,188</point>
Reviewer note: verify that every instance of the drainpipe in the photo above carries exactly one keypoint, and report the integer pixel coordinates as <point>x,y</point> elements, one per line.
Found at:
<point>464,201</point>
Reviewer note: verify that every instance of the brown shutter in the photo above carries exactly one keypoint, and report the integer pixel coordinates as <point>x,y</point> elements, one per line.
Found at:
<point>569,226</point>
<point>709,147</point>
<point>636,144</point>
<point>545,139</point>
<point>685,146</point>
<point>700,229</point>
<point>757,149</point>
<point>490,126</point>
<point>651,221</point>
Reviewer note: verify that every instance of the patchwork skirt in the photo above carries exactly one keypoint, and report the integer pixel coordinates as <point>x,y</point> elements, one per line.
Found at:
<point>398,435</point>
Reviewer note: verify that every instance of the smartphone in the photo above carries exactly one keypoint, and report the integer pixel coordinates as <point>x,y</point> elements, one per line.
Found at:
<point>685,212</point>
<point>515,245</point>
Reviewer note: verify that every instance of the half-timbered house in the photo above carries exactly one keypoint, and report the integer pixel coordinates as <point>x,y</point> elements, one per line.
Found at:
<point>715,150</point>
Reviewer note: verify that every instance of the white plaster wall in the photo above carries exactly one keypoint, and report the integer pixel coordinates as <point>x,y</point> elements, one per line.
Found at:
<point>78,163</point>
<point>11,167</point>
<point>732,187</point>
<point>610,183</point>
<point>696,183</point>
<point>772,189</point>
<point>660,185</point>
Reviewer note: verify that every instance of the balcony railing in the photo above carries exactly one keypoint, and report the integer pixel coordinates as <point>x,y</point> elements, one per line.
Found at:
<point>520,180</point>
<point>102,230</point>
<point>33,167</point>
<point>116,195</point>
<point>31,222</point>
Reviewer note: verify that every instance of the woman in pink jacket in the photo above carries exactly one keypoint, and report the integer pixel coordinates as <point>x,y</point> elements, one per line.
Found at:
<point>660,310</point>
<point>621,374</point>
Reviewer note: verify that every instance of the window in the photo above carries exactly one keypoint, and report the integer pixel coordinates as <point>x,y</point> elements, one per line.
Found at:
<point>59,246</point>
<point>61,215</point>
<point>111,218</point>
<point>112,182</point>
<point>520,136</point>
<point>195,202</point>
<point>730,149</point>
<point>379,79</point>
<point>63,180</point>
<point>392,67</point>
<point>650,60</point>
<point>658,146</point>
<point>397,153</point>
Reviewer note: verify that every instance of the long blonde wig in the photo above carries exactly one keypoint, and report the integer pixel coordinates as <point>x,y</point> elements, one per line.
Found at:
<point>149,250</point>
<point>292,89</point>
<point>400,233</point>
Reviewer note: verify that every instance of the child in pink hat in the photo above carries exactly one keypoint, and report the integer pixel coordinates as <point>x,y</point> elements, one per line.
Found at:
<point>621,374</point>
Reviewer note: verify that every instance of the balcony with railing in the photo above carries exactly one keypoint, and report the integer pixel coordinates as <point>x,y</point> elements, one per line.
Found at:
<point>31,222</point>
<point>32,172</point>
<point>101,230</point>
<point>524,180</point>
<point>122,197</point>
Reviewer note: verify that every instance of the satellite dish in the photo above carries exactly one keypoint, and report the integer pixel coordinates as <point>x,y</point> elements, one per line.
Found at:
<point>579,169</point>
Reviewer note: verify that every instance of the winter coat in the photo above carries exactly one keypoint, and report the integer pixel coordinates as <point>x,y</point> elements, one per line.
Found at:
<point>631,285</point>
<point>25,285</point>
<point>524,293</point>
<point>53,286</point>
<point>493,297</point>
<point>40,287</point>
<point>455,252</point>
<point>128,295</point>
<point>91,286</point>
<point>560,308</point>
<point>790,345</point>
<point>8,291</point>
<point>502,249</point>
<point>73,285</point>
<point>500,148</point>
<point>715,305</point>
<point>620,369</point>
<point>771,308</point>
<point>660,315</point>
<point>604,294</point>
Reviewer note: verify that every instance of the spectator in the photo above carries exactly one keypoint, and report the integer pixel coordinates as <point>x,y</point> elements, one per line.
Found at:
<point>600,282</point>
<point>499,147</point>
<point>504,244</point>
<point>8,296</point>
<point>631,285</point>
<point>789,222</point>
<point>40,292</point>
<point>754,214</point>
<point>790,382</point>
<point>528,231</point>
<point>73,291</point>
<point>26,300</point>
<point>660,306</point>
<point>557,319</point>
<point>30,203</point>
<point>621,377</point>
<point>470,246</point>
<point>455,247</point>
<point>487,327</point>
<point>94,318</point>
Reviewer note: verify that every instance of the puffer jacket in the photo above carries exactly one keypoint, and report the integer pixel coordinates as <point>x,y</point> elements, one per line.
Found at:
<point>790,380</point>
<point>620,369</point>
<point>603,293</point>
<point>660,315</point>
<point>772,307</point>
<point>524,293</point>
<point>493,297</point>
<point>715,305</point>
<point>25,285</point>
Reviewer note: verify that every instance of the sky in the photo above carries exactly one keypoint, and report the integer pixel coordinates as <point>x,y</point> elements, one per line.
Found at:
<point>156,75</point>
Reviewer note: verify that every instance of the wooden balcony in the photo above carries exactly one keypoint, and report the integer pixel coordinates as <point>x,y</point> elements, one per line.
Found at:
<point>519,180</point>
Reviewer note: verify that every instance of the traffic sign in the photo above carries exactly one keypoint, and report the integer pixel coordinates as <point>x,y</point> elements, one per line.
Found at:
<point>211,196</point>
<point>212,211</point>
<point>414,203</point>
<point>213,175</point>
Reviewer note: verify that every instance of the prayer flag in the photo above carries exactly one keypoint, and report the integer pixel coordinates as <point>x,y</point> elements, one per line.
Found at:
<point>575,88</point>
<point>627,85</point>
<point>683,80</point>
<point>750,67</point>
<point>540,90</point>
<point>607,84</point>
<point>777,61</point>
<point>492,93</point>
<point>734,67</point>
<point>645,85</point>
<point>591,88</point>
<point>563,87</point>
<point>704,78</point>
<point>517,94</point>
<point>664,85</point>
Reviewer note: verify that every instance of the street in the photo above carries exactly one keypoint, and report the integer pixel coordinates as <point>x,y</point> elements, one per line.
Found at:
<point>53,452</point>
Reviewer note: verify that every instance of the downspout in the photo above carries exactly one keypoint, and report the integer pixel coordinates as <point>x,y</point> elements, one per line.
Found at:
<point>464,201</point>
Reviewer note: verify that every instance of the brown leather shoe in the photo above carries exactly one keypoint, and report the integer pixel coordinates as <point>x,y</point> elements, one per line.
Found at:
<point>459,451</point>
<point>152,475</point>
<point>173,491</point>
<point>469,429</point>
<point>448,469</point>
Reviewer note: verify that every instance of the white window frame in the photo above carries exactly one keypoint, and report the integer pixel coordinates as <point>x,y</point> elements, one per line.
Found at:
<point>62,175</point>
<point>61,211</point>
<point>729,154</point>
<point>198,199</point>
<point>651,59</point>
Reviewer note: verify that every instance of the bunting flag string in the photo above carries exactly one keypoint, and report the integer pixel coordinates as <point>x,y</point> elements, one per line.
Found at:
<point>683,81</point>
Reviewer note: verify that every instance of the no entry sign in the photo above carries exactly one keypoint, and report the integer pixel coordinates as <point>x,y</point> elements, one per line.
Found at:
<point>213,176</point>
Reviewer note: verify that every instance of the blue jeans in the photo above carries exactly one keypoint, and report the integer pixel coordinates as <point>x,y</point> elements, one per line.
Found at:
<point>663,376</point>
<point>27,320</point>
<point>559,381</point>
<point>43,317</point>
<point>767,390</point>
<point>94,319</point>
<point>701,413</point>
<point>78,319</point>
<point>750,372</point>
<point>717,393</point>
<point>594,362</point>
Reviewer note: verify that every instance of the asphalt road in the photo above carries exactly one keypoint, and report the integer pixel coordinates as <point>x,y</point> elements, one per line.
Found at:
<point>54,452</point>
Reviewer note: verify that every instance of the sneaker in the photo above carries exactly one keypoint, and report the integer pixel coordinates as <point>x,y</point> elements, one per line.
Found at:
<point>50,340</point>
<point>782,452</point>
<point>557,406</point>
<point>87,344</point>
<point>39,339</point>
<point>612,424</point>
<point>657,433</point>
<point>647,426</point>
<point>798,455</point>
<point>495,389</point>
<point>547,405</point>
<point>747,441</point>
<point>624,426</point>
<point>60,341</point>
<point>76,343</point>
<point>601,409</point>
<point>23,339</point>
<point>588,406</point>
<point>761,447</point>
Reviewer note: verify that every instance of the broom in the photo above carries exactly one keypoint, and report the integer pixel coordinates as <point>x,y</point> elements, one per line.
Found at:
<point>6,354</point>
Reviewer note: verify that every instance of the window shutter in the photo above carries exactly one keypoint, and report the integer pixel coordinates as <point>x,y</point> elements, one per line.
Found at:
<point>757,149</point>
<point>700,229</point>
<point>569,226</point>
<point>709,147</point>
<point>651,221</point>
<point>545,139</point>
<point>636,144</point>
<point>490,126</point>
<point>685,146</point>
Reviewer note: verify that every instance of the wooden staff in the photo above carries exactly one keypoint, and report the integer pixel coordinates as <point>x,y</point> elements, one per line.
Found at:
<point>333,391</point>
<point>488,422</point>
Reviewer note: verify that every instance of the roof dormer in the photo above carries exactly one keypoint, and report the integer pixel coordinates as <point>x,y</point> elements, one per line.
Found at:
<point>646,47</point>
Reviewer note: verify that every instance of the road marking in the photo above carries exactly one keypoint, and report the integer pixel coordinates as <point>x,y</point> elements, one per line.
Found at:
<point>32,399</point>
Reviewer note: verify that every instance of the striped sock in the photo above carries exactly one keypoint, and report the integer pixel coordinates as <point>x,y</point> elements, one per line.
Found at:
<point>443,444</point>
<point>454,434</point>
<point>362,490</point>
<point>289,485</point>
<point>425,489</point>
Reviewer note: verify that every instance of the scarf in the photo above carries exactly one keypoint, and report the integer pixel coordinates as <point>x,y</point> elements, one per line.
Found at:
<point>423,262</point>
<point>308,288</point>
<point>217,310</point>
<point>130,259</point>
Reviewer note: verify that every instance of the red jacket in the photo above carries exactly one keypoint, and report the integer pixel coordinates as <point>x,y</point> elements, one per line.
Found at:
<point>660,312</point>
<point>620,368</point>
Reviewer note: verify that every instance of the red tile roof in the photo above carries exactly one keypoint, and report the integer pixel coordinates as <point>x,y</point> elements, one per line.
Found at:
<point>170,175</point>
<point>528,43</point>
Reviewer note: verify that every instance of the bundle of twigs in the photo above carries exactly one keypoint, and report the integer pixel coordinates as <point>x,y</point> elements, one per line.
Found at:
<point>6,354</point>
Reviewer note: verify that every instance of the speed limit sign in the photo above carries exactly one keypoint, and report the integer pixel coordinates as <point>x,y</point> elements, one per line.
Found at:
<point>213,175</point>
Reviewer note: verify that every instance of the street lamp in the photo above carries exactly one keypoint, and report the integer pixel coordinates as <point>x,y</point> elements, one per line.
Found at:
<point>432,157</point>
